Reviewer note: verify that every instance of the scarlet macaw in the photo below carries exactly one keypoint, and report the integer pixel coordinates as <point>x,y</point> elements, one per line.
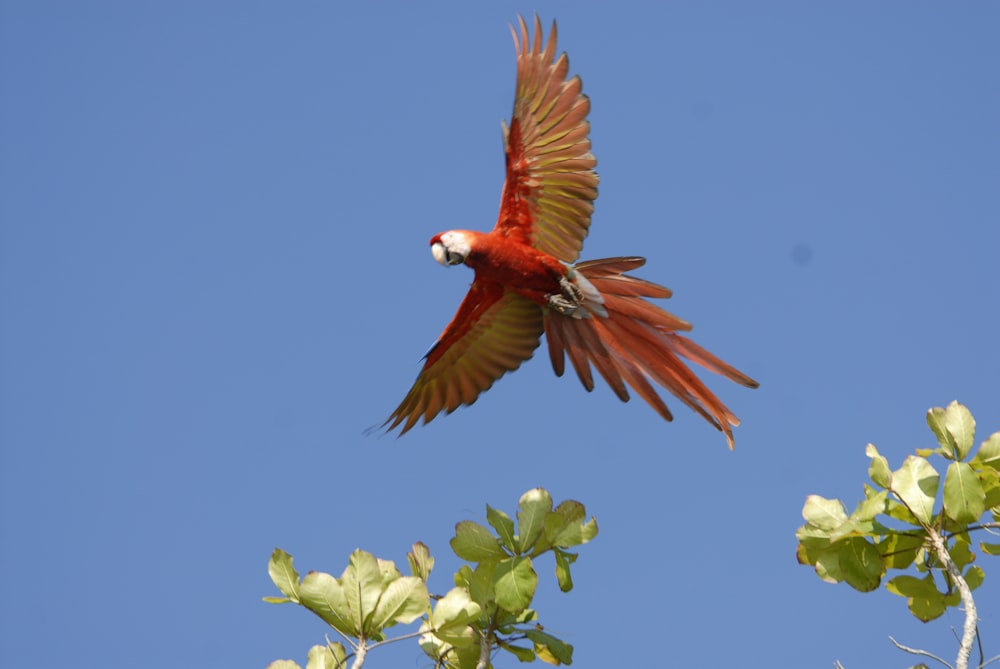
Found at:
<point>526,283</point>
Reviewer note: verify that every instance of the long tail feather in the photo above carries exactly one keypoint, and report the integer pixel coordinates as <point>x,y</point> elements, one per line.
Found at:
<point>637,343</point>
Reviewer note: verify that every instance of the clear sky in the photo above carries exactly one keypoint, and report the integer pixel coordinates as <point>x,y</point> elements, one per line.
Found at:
<point>214,275</point>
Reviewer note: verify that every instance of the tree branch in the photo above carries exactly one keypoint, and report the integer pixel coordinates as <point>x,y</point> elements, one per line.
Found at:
<point>971,615</point>
<point>359,656</point>
<point>917,651</point>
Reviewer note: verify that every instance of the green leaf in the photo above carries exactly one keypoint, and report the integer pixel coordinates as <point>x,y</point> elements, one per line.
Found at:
<point>990,478</point>
<point>936,421</point>
<point>323,595</point>
<point>327,657</point>
<point>404,601</point>
<point>974,577</point>
<point>989,452</point>
<point>825,514</point>
<point>923,598</point>
<point>878,471</point>
<point>504,526</point>
<point>895,509</point>
<point>475,543</point>
<point>514,583</point>
<point>478,582</point>
<point>532,508</point>
<point>563,576</point>
<point>564,526</point>
<point>421,562</point>
<point>521,653</point>
<point>277,600</point>
<point>990,549</point>
<point>828,564</point>
<point>860,564</point>
<point>954,421</point>
<point>362,583</point>
<point>961,552</point>
<point>916,484</point>
<point>964,499</point>
<point>283,574</point>
<point>900,550</point>
<point>549,648</point>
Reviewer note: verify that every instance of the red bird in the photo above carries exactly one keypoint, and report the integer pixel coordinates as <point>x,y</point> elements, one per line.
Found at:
<point>526,283</point>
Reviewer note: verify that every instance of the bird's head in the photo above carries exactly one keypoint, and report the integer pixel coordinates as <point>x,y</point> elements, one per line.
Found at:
<point>451,248</point>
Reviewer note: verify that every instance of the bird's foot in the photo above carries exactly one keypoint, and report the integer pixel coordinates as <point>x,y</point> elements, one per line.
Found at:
<point>569,299</point>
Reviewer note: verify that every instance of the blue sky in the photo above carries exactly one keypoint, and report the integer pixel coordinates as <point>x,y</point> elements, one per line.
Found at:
<point>214,275</point>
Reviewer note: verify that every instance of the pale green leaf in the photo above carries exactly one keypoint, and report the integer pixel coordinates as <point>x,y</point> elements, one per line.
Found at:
<point>327,657</point>
<point>404,601</point>
<point>421,562</point>
<point>878,470</point>
<point>475,543</point>
<point>825,514</point>
<point>387,568</point>
<point>989,451</point>
<point>990,549</point>
<point>532,509</point>
<point>362,583</point>
<point>284,664</point>
<point>283,573</point>
<point>958,421</point>
<point>322,594</point>
<point>504,527</point>
<point>964,499</point>
<point>916,484</point>
<point>277,600</point>
<point>549,648</point>
<point>456,609</point>
<point>895,509</point>
<point>514,583</point>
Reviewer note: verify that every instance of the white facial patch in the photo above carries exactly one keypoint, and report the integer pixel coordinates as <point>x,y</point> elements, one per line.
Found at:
<point>453,248</point>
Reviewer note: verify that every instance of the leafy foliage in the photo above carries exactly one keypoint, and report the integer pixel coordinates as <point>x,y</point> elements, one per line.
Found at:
<point>906,513</point>
<point>489,608</point>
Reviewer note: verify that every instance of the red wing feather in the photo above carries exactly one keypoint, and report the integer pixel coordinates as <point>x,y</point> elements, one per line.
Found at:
<point>638,343</point>
<point>492,333</point>
<point>548,196</point>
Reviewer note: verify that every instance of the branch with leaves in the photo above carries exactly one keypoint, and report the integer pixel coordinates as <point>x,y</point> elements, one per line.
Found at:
<point>489,609</point>
<point>904,524</point>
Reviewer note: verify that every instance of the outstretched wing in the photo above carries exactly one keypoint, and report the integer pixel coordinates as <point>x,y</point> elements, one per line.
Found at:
<point>492,333</point>
<point>551,185</point>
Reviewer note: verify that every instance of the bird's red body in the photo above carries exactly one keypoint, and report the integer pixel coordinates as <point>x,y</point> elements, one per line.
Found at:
<point>526,283</point>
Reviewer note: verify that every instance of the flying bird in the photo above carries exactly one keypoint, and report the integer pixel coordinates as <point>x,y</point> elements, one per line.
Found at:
<point>528,281</point>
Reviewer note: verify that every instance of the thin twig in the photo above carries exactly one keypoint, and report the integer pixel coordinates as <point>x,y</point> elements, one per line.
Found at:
<point>989,661</point>
<point>917,651</point>
<point>399,638</point>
